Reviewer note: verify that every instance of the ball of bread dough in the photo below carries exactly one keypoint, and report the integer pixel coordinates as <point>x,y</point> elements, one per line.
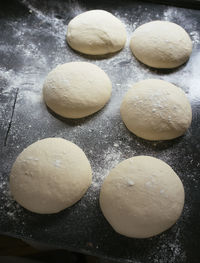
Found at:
<point>50,175</point>
<point>76,89</point>
<point>154,109</point>
<point>96,32</point>
<point>161,44</point>
<point>142,197</point>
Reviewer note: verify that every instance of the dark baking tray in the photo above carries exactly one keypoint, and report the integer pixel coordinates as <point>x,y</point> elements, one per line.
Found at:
<point>182,3</point>
<point>33,42</point>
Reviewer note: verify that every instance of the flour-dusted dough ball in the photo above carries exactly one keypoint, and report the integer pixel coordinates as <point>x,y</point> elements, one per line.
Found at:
<point>142,197</point>
<point>161,44</point>
<point>76,89</point>
<point>96,32</point>
<point>50,175</point>
<point>154,109</point>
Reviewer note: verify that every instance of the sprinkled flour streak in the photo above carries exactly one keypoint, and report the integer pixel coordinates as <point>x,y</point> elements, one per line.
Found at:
<point>110,158</point>
<point>10,122</point>
<point>58,27</point>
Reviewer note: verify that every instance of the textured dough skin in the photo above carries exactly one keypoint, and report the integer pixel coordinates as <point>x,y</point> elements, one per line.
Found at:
<point>142,197</point>
<point>77,89</point>
<point>161,44</point>
<point>154,109</point>
<point>96,32</point>
<point>50,175</point>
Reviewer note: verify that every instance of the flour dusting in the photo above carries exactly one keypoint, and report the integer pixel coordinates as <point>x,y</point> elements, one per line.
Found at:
<point>110,158</point>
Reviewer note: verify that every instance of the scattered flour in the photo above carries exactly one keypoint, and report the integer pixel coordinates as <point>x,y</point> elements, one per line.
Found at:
<point>110,159</point>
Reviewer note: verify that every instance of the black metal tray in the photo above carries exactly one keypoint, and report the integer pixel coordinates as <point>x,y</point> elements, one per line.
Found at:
<point>33,42</point>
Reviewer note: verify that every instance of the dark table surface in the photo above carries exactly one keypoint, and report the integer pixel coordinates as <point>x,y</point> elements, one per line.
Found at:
<point>32,43</point>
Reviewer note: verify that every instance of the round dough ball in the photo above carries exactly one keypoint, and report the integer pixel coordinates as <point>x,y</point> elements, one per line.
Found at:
<point>96,32</point>
<point>76,89</point>
<point>154,109</point>
<point>50,175</point>
<point>142,197</point>
<point>161,44</point>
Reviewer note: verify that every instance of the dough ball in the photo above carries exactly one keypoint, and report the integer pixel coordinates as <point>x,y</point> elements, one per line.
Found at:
<point>76,89</point>
<point>161,44</point>
<point>142,197</point>
<point>96,32</point>
<point>154,109</point>
<point>50,175</point>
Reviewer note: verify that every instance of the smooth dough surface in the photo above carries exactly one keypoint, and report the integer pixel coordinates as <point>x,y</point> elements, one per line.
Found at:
<point>50,175</point>
<point>96,32</point>
<point>154,109</point>
<point>76,89</point>
<point>161,44</point>
<point>142,197</point>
